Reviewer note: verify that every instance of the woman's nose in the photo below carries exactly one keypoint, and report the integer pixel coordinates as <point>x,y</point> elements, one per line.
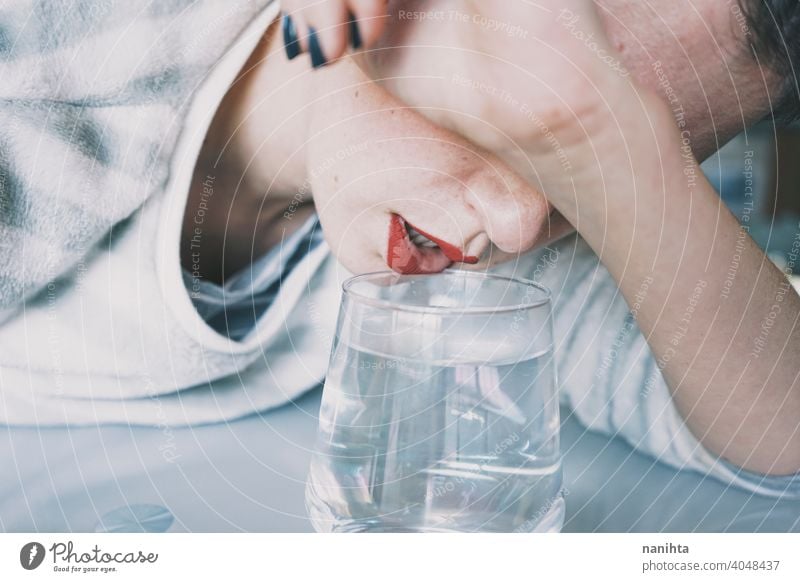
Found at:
<point>510,212</point>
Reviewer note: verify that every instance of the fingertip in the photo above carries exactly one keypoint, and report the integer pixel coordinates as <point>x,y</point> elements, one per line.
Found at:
<point>370,30</point>
<point>370,18</point>
<point>332,44</point>
<point>322,30</point>
<point>355,33</point>
<point>291,41</point>
<point>294,26</point>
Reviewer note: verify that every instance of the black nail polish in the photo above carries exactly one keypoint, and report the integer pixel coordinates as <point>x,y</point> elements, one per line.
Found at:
<point>290,42</point>
<point>314,48</point>
<point>355,33</point>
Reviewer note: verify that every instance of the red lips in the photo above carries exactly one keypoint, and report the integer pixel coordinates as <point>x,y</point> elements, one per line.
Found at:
<point>407,258</point>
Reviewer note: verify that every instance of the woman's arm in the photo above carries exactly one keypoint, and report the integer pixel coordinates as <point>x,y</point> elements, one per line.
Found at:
<point>721,319</point>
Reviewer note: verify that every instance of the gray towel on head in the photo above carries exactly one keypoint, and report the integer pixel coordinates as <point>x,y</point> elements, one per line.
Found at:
<point>91,102</point>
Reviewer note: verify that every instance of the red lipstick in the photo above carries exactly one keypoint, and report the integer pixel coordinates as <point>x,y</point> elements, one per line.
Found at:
<point>452,252</point>
<point>407,258</point>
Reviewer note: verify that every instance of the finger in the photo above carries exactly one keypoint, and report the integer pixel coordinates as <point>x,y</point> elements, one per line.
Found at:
<point>291,39</point>
<point>327,26</point>
<point>370,21</point>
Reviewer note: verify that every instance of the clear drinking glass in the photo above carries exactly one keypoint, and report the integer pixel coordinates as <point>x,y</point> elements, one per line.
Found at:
<point>440,410</point>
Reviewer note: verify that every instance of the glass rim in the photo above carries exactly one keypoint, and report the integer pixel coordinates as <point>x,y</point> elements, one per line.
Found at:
<point>347,289</point>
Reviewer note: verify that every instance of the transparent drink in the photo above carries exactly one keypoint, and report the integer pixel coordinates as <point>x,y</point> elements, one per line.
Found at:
<point>440,410</point>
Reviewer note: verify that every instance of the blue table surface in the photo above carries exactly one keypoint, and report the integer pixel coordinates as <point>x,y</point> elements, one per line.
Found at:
<point>249,475</point>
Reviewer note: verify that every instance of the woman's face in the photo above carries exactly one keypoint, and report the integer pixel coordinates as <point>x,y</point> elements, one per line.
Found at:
<point>395,190</point>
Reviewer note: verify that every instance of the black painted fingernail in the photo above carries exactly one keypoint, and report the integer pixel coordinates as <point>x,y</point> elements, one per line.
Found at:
<point>355,34</point>
<point>290,42</point>
<point>314,48</point>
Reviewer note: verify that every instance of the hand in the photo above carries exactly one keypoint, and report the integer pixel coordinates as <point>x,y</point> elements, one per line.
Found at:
<point>324,28</point>
<point>377,168</point>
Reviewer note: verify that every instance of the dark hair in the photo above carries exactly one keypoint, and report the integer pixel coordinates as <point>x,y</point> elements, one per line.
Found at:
<point>775,38</point>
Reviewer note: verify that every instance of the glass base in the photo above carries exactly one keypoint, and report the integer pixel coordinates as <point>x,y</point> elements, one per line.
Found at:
<point>551,522</point>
